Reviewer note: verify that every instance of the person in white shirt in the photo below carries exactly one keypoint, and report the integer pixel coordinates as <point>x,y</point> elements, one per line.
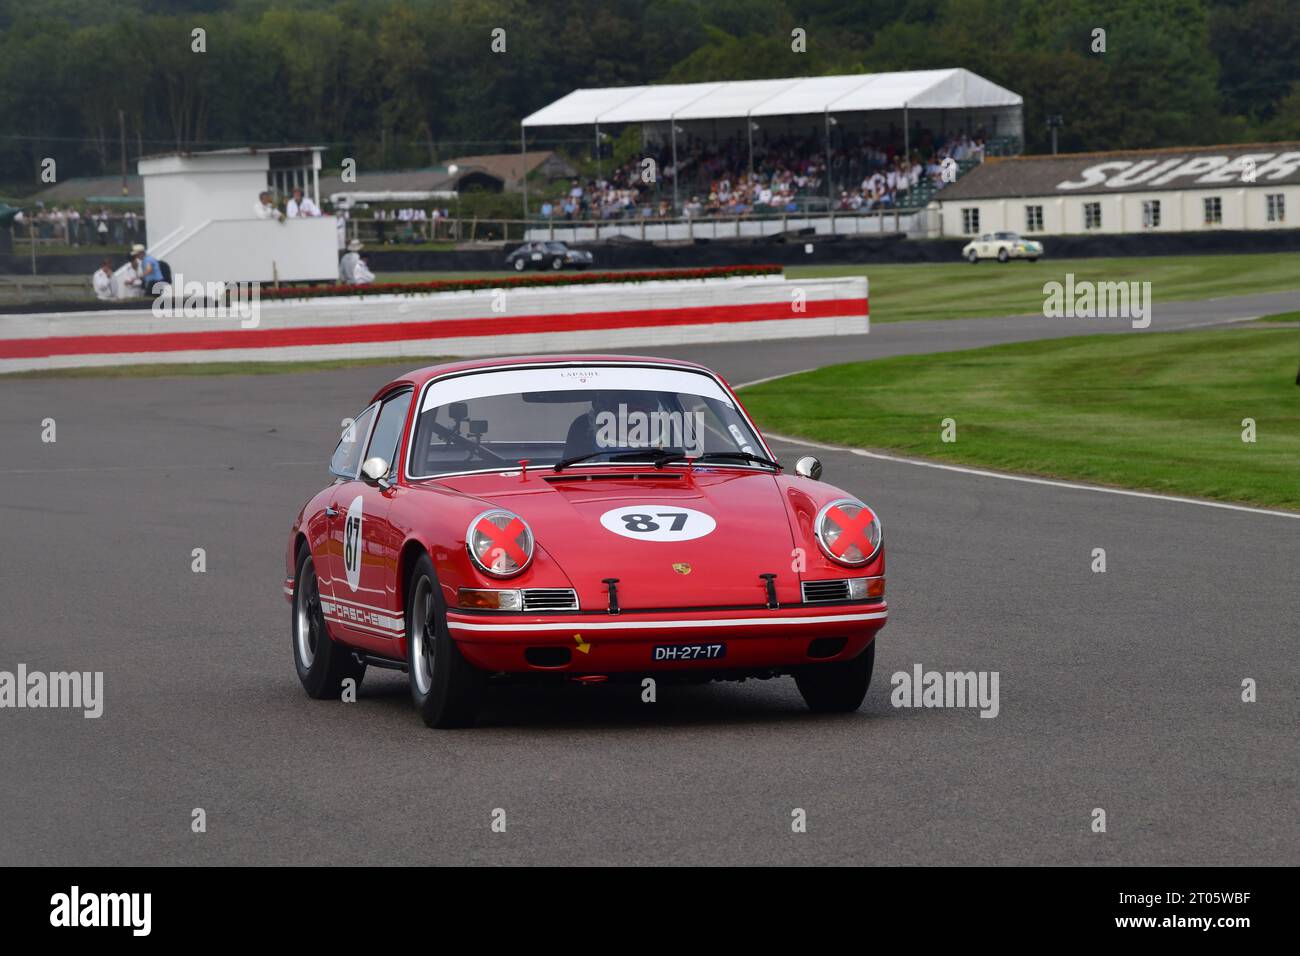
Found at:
<point>103,281</point>
<point>352,268</point>
<point>132,282</point>
<point>300,206</point>
<point>265,209</point>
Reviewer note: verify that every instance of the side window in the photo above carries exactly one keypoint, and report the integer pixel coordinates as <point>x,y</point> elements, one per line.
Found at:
<point>388,429</point>
<point>346,462</point>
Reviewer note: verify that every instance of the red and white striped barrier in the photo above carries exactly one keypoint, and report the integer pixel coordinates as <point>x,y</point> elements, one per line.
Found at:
<point>503,321</point>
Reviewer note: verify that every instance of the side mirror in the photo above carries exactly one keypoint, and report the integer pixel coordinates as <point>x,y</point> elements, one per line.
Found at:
<point>808,467</point>
<point>374,471</point>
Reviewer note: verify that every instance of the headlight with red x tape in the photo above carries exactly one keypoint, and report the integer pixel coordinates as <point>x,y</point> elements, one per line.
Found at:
<point>500,543</point>
<point>848,532</point>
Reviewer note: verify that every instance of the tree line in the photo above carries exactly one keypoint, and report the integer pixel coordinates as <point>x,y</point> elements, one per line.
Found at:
<point>405,83</point>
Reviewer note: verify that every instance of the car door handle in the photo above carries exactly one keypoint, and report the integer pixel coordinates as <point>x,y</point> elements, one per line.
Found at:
<point>331,512</point>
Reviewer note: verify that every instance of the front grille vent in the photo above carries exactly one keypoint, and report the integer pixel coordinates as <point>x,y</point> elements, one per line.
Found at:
<point>825,591</point>
<point>550,599</point>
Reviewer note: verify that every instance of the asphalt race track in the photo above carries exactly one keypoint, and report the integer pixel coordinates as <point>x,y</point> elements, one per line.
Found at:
<point>1119,691</point>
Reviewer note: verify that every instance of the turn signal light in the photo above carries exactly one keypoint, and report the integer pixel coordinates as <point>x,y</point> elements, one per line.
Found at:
<point>490,599</point>
<point>860,588</point>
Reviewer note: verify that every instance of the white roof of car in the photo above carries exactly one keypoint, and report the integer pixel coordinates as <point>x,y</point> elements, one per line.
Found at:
<point>569,378</point>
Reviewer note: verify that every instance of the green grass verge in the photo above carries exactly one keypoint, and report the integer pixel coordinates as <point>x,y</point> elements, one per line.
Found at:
<point>1282,317</point>
<point>903,292</point>
<point>227,368</point>
<point>1155,412</point>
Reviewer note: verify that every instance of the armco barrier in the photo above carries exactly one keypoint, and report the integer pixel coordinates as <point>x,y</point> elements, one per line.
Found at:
<point>605,317</point>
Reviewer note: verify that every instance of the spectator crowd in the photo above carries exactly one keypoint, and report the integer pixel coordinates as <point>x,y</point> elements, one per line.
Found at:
<point>80,226</point>
<point>142,272</point>
<point>868,172</point>
<point>789,175</point>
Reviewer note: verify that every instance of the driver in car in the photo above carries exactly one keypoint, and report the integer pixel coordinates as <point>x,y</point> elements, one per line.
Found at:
<point>617,407</point>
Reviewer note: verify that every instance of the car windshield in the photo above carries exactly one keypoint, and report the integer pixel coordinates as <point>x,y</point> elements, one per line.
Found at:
<point>556,247</point>
<point>490,420</point>
<point>1009,236</point>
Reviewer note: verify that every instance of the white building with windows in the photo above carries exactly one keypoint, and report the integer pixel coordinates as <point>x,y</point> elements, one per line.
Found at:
<point>1167,190</point>
<point>200,215</point>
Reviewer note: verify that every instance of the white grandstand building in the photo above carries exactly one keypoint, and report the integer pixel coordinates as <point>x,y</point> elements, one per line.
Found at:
<point>1193,189</point>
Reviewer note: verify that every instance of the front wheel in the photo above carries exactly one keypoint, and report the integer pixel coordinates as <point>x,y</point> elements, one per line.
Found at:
<point>557,263</point>
<point>974,257</point>
<point>837,688</point>
<point>445,688</point>
<point>322,663</point>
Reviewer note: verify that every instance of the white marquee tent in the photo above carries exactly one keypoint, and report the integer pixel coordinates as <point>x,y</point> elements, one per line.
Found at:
<point>917,89</point>
<point>669,104</point>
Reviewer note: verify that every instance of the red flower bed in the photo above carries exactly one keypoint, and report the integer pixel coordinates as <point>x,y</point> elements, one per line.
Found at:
<point>547,279</point>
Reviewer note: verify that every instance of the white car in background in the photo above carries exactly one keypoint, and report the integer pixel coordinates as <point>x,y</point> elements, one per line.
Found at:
<point>1002,246</point>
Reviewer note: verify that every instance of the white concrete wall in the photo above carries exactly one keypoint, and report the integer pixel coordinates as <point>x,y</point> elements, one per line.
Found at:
<point>1244,207</point>
<point>846,224</point>
<point>601,317</point>
<point>259,250</point>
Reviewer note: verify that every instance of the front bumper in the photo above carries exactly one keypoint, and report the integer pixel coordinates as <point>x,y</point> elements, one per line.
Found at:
<point>760,638</point>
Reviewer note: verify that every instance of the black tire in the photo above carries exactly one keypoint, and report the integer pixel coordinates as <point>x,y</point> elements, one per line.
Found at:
<point>557,263</point>
<point>445,688</point>
<point>837,688</point>
<point>1002,255</point>
<point>519,265</point>
<point>974,258</point>
<point>1032,259</point>
<point>322,663</point>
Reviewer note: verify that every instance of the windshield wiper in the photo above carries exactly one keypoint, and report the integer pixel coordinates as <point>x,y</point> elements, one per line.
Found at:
<point>720,456</point>
<point>655,455</point>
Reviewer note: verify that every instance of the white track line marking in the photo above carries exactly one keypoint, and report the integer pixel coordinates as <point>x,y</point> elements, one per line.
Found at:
<point>1201,325</point>
<point>773,378</point>
<point>1172,328</point>
<point>1053,482</point>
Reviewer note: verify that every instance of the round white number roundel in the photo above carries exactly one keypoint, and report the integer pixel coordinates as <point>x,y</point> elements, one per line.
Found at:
<point>658,522</point>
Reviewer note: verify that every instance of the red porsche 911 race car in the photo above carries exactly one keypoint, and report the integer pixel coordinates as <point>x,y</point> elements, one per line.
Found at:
<point>589,517</point>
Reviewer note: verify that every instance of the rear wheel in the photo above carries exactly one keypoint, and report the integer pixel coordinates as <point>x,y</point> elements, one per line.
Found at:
<point>322,663</point>
<point>519,265</point>
<point>1002,255</point>
<point>837,688</point>
<point>445,688</point>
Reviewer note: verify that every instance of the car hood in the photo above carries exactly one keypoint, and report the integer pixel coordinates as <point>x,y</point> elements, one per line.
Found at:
<point>733,527</point>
